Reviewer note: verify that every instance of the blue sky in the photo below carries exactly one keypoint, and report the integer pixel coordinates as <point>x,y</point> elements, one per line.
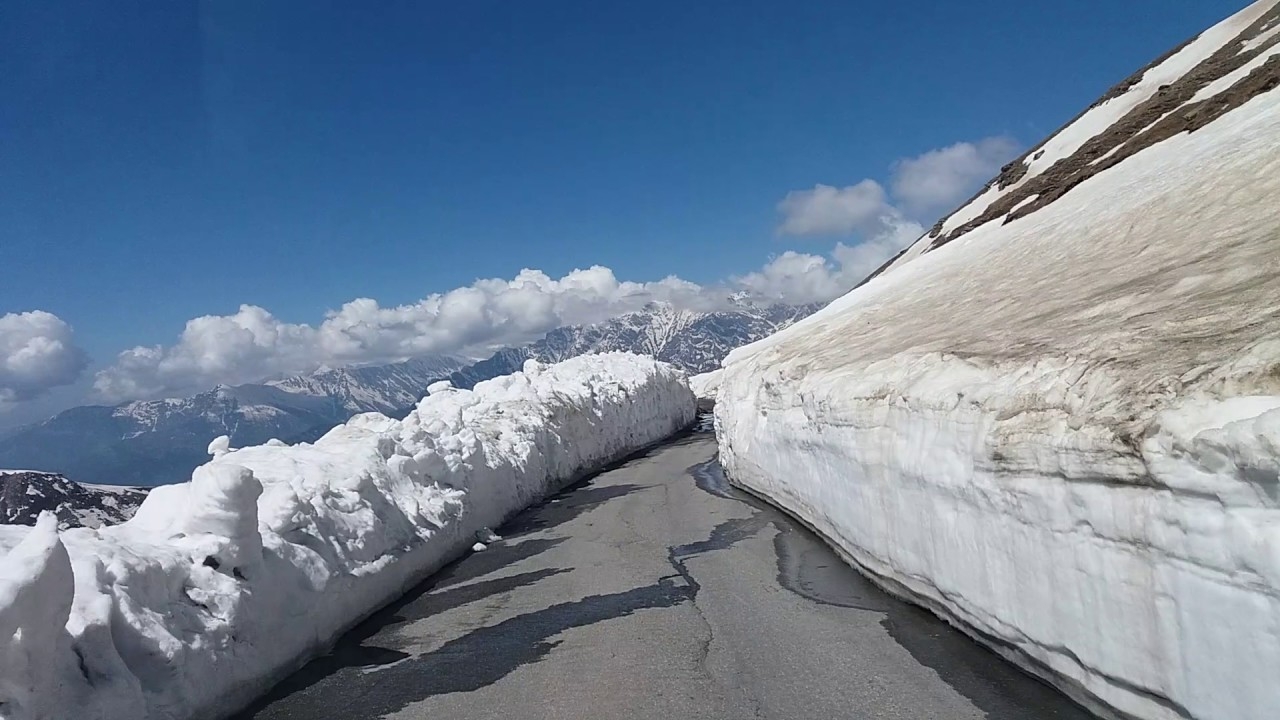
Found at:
<point>162,161</point>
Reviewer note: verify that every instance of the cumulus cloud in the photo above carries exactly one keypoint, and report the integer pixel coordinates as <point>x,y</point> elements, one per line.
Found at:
<point>252,344</point>
<point>827,210</point>
<point>940,179</point>
<point>36,354</point>
<point>795,277</point>
<point>919,189</point>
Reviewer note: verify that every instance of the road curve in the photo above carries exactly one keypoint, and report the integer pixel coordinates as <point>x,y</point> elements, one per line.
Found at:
<point>656,591</point>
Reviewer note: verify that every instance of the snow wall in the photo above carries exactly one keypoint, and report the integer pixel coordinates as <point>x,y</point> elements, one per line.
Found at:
<point>222,585</point>
<point>1062,433</point>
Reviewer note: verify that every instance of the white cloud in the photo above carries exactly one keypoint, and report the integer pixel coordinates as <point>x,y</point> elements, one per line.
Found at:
<point>940,179</point>
<point>803,278</point>
<point>920,188</point>
<point>860,260</point>
<point>36,354</point>
<point>827,210</point>
<point>795,278</point>
<point>253,344</point>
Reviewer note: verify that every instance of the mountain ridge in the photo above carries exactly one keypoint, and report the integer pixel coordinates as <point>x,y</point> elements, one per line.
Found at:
<point>24,494</point>
<point>154,442</point>
<point>694,341</point>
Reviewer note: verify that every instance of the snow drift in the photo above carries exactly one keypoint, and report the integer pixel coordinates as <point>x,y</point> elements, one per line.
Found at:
<point>1060,428</point>
<point>219,586</point>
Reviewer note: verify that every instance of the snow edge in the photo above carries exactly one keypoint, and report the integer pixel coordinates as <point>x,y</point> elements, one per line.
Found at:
<point>900,590</point>
<point>461,546</point>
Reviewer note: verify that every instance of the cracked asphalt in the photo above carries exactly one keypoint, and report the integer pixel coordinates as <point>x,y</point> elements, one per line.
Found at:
<point>656,591</point>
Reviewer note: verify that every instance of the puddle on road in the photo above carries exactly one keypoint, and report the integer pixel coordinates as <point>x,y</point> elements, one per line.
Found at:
<point>808,567</point>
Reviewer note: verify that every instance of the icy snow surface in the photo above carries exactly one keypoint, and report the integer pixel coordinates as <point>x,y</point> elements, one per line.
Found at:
<point>219,586</point>
<point>1063,433</point>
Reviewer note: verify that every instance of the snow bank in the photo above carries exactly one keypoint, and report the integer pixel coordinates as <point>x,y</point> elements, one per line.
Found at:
<point>1062,433</point>
<point>219,586</point>
<point>706,385</point>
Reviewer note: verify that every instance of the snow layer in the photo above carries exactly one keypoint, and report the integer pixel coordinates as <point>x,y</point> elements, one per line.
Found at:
<point>1062,434</point>
<point>219,586</point>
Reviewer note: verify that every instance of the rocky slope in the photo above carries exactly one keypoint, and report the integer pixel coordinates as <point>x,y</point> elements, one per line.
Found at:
<point>25,494</point>
<point>1055,419</point>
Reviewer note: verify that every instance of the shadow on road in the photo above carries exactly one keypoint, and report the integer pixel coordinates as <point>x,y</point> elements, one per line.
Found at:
<point>475,660</point>
<point>373,643</point>
<point>809,567</point>
<point>498,556</point>
<point>589,492</point>
<point>563,507</point>
<point>368,663</point>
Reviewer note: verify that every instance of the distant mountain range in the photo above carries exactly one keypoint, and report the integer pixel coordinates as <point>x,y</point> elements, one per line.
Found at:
<point>695,342</point>
<point>24,494</point>
<point>154,442</point>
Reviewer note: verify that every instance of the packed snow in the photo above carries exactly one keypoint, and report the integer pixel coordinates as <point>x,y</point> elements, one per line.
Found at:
<point>706,385</point>
<point>1062,433</point>
<point>221,585</point>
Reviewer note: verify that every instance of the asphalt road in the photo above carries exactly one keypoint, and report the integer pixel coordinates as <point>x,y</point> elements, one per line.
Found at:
<point>656,591</point>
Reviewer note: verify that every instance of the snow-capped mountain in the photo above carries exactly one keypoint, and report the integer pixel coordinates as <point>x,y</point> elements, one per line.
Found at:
<point>24,494</point>
<point>695,342</point>
<point>382,388</point>
<point>154,442</point>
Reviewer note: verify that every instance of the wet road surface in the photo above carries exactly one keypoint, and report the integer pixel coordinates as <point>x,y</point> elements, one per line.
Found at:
<point>656,591</point>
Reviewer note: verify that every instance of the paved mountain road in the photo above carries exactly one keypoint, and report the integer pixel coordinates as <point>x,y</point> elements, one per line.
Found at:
<point>655,591</point>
